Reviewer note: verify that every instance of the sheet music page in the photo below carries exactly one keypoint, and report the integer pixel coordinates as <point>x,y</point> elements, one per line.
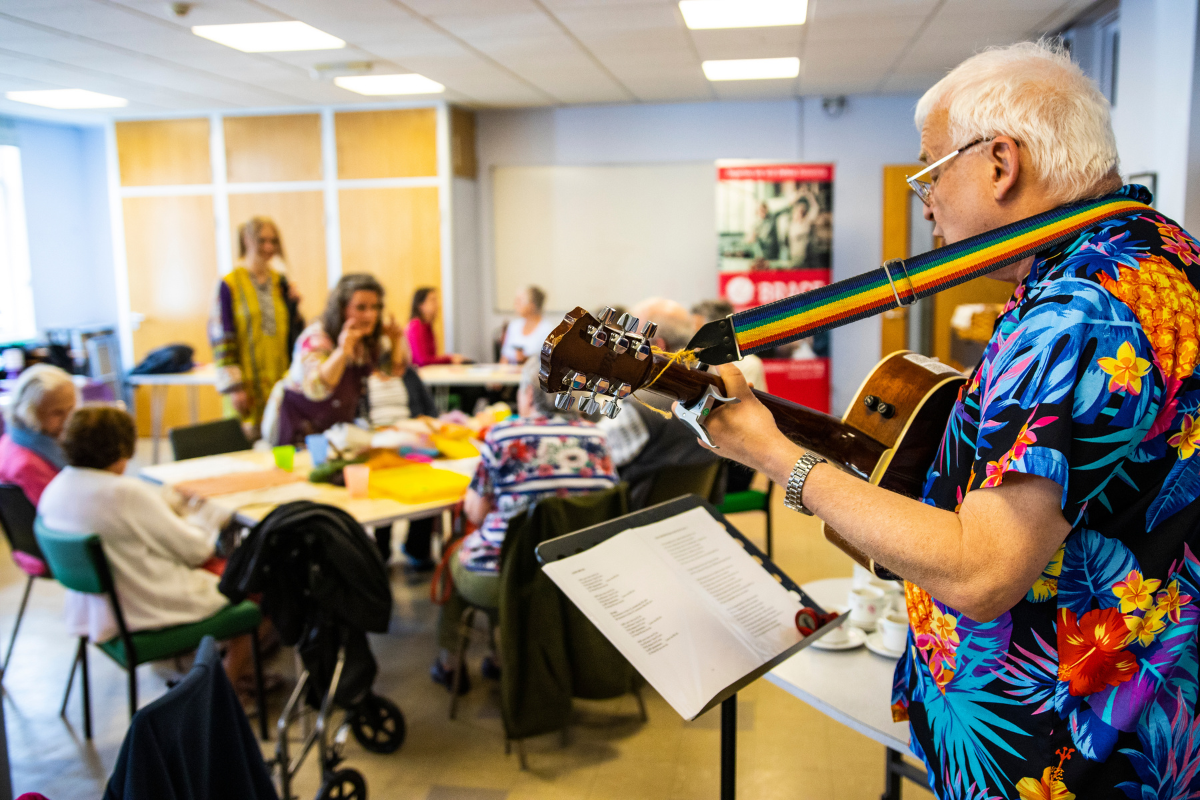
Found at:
<point>685,603</point>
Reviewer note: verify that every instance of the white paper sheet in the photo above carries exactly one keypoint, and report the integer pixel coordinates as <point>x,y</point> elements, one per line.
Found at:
<point>199,468</point>
<point>685,603</point>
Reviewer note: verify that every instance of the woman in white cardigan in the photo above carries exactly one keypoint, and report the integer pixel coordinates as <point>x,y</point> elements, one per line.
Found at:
<point>156,556</point>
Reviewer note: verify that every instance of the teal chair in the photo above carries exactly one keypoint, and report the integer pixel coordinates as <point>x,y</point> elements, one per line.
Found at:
<point>751,500</point>
<point>77,561</point>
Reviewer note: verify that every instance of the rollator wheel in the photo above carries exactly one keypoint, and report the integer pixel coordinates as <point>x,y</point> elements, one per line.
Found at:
<point>378,724</point>
<point>344,784</point>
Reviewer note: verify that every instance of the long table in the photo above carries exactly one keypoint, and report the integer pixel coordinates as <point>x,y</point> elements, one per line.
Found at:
<point>440,377</point>
<point>251,506</point>
<point>204,375</point>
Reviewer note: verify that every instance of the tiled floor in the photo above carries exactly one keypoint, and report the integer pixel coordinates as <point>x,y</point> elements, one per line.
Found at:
<point>785,748</point>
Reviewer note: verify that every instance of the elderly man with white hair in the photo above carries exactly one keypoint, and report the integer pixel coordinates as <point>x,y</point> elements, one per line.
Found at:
<point>1053,585</point>
<point>30,454</point>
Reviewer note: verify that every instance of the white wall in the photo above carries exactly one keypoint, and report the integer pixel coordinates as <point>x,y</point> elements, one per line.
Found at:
<point>872,132</point>
<point>66,208</point>
<point>1153,109</point>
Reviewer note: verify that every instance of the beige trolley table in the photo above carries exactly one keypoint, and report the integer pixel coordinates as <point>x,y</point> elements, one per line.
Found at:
<point>853,687</point>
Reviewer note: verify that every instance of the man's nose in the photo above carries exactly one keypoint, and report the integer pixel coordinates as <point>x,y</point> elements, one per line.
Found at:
<point>927,212</point>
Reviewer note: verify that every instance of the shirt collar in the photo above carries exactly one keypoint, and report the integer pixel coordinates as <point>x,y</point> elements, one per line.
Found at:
<point>1041,266</point>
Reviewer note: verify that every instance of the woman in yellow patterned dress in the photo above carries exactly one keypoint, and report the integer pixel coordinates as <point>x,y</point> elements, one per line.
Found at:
<point>254,317</point>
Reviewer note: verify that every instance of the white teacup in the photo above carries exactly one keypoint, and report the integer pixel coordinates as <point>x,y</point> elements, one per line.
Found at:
<point>862,576</point>
<point>866,604</point>
<point>894,631</point>
<point>837,635</point>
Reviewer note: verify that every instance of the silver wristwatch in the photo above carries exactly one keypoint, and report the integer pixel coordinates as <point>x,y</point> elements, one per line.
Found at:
<point>795,484</point>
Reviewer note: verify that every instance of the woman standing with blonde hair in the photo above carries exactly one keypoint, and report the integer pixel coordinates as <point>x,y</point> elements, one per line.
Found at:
<point>253,324</point>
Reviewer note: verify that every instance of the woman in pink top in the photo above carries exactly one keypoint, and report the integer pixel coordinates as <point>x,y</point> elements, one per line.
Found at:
<point>420,330</point>
<point>30,455</point>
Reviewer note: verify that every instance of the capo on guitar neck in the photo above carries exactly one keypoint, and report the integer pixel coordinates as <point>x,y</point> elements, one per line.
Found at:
<point>696,414</point>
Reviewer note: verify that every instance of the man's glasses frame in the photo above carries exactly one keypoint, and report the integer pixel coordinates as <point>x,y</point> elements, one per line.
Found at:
<point>924,189</point>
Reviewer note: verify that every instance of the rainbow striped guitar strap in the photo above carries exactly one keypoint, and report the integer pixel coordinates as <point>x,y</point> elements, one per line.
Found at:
<point>899,282</point>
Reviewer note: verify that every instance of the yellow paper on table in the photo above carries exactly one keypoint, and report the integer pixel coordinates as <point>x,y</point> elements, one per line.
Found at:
<point>418,483</point>
<point>454,446</point>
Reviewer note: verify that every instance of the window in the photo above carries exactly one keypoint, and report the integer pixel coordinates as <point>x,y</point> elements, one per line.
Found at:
<point>16,291</point>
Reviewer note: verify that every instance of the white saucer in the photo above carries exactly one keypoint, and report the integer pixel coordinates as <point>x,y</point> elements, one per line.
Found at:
<point>862,626</point>
<point>854,638</point>
<point>875,645</point>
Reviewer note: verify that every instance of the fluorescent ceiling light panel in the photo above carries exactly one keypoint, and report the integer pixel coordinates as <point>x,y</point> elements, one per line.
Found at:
<point>749,69</point>
<point>707,14</point>
<point>67,98</point>
<point>269,37</point>
<point>410,83</point>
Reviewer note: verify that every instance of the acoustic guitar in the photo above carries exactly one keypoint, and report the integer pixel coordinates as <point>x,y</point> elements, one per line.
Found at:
<point>889,435</point>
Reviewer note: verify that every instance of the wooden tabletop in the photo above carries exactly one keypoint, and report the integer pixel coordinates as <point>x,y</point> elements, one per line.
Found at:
<point>251,506</point>
<point>470,374</point>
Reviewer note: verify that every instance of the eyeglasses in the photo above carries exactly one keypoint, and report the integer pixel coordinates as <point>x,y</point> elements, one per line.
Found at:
<point>924,189</point>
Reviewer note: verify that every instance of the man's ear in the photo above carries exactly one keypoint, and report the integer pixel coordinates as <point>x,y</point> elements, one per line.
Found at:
<point>1005,158</point>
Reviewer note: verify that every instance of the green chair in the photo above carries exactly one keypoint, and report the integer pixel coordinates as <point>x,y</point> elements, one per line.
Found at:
<point>751,500</point>
<point>77,561</point>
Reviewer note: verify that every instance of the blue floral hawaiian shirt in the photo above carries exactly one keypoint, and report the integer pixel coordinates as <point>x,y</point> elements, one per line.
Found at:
<point>1087,687</point>
<point>525,459</point>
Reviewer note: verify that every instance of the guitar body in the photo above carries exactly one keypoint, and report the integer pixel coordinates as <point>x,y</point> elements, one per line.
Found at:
<point>922,393</point>
<point>889,436</point>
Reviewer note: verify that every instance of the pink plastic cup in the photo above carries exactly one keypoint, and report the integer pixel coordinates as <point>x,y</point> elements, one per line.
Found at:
<point>358,479</point>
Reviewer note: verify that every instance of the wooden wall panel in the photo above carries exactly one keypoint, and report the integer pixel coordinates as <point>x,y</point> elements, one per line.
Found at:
<point>172,261</point>
<point>164,152</point>
<point>394,234</point>
<point>301,220</point>
<point>980,290</point>
<point>463,161</point>
<point>386,144</point>
<point>274,148</point>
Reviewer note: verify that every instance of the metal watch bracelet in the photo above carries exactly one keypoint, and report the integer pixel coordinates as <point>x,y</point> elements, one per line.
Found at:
<point>795,484</point>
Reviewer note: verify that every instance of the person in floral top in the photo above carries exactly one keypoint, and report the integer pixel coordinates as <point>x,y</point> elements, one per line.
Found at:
<point>1053,580</point>
<point>539,453</point>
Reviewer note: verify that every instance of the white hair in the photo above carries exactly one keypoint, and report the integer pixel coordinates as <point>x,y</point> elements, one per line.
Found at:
<point>32,388</point>
<point>675,324</point>
<point>543,403</point>
<point>1033,92</point>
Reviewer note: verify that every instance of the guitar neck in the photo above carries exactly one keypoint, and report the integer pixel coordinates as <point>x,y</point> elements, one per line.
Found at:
<point>814,430</point>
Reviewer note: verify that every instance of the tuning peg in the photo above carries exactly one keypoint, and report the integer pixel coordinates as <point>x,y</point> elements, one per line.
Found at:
<point>612,410</point>
<point>606,315</point>
<point>643,351</point>
<point>627,322</point>
<point>576,380</point>
<point>620,344</point>
<point>589,405</point>
<point>601,385</point>
<point>599,337</point>
<point>623,390</point>
<point>564,401</point>
<point>649,330</point>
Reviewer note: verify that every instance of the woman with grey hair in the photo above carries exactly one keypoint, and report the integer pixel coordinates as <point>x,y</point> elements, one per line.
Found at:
<point>30,455</point>
<point>524,335</point>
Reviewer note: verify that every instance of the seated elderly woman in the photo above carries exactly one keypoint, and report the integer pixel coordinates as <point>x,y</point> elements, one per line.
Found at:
<point>521,457</point>
<point>30,455</point>
<point>155,554</point>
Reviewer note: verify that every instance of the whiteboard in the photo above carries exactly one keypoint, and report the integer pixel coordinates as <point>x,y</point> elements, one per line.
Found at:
<point>608,235</point>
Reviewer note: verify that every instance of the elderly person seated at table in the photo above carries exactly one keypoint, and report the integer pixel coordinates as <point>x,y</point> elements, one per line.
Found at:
<point>540,453</point>
<point>155,554</point>
<point>333,358</point>
<point>30,454</point>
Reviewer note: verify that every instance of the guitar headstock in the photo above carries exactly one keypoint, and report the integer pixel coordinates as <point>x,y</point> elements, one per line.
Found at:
<point>592,362</point>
